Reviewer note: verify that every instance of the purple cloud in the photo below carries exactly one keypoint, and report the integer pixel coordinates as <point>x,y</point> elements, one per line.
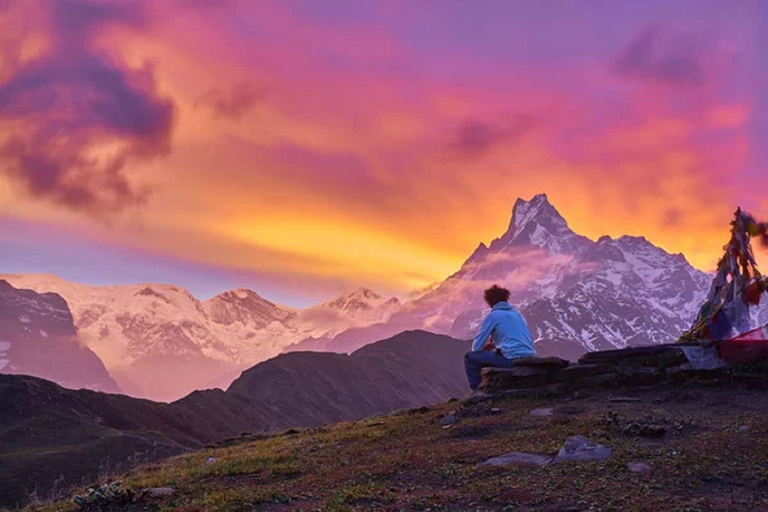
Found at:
<point>474,137</point>
<point>657,56</point>
<point>232,103</point>
<point>74,99</point>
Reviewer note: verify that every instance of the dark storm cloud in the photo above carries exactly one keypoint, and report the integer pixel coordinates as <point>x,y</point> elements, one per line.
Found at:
<point>234,102</point>
<point>655,55</point>
<point>73,99</point>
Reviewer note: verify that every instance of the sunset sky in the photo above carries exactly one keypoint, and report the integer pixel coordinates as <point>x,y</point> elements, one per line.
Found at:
<point>303,148</point>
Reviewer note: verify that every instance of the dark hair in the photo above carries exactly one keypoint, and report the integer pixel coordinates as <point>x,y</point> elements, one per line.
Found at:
<point>496,294</point>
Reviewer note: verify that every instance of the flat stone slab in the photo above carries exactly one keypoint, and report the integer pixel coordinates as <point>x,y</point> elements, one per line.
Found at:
<point>579,448</point>
<point>638,467</point>
<point>549,362</point>
<point>448,419</point>
<point>159,492</point>
<point>541,413</point>
<point>529,459</point>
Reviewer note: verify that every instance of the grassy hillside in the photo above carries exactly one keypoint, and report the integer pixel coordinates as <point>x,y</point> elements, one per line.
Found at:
<point>707,448</point>
<point>52,437</point>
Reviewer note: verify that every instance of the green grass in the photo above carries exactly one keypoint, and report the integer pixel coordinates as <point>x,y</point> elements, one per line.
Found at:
<point>408,462</point>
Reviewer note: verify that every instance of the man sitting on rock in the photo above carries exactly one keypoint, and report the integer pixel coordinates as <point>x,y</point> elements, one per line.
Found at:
<point>504,336</point>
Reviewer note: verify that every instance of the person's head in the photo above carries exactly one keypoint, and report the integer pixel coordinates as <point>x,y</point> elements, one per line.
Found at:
<point>496,294</point>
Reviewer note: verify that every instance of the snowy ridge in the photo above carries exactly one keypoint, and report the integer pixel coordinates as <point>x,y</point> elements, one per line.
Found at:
<point>363,305</point>
<point>153,328</point>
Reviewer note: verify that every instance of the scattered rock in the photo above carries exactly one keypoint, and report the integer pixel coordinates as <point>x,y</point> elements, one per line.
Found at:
<point>579,448</point>
<point>495,410</point>
<point>159,492</point>
<point>532,459</point>
<point>210,460</point>
<point>541,413</point>
<point>638,467</point>
<point>744,428</point>
<point>623,399</point>
<point>448,420</point>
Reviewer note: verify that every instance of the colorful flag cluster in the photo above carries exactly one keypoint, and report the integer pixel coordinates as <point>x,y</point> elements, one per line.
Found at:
<point>737,285</point>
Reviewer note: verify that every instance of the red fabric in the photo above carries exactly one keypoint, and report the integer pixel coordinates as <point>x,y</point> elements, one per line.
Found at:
<point>749,347</point>
<point>761,333</point>
<point>752,294</point>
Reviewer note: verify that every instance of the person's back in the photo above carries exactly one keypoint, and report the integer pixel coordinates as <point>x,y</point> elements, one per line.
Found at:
<point>509,332</point>
<point>503,337</point>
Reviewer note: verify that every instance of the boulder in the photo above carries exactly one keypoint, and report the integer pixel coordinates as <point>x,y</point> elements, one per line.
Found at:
<point>579,448</point>
<point>448,419</point>
<point>638,467</point>
<point>530,459</point>
<point>158,492</point>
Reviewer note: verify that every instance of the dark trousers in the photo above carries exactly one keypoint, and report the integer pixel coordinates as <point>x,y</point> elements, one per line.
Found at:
<point>476,361</point>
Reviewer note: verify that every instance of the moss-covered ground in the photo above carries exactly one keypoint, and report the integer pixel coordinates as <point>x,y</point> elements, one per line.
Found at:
<point>707,448</point>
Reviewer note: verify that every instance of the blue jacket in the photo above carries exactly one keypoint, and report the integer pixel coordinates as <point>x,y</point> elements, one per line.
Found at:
<point>509,331</point>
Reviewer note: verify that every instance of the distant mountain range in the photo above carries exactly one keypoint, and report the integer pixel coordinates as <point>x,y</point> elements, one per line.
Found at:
<point>160,342</point>
<point>37,337</point>
<point>47,432</point>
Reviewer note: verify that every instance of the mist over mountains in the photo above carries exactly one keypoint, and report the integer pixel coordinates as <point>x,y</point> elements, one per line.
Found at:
<point>160,342</point>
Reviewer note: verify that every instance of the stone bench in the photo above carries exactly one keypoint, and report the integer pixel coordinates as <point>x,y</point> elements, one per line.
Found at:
<point>630,366</point>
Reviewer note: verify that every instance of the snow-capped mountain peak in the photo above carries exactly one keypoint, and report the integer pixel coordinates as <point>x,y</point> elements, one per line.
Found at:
<point>361,300</point>
<point>245,307</point>
<point>538,210</point>
<point>536,224</point>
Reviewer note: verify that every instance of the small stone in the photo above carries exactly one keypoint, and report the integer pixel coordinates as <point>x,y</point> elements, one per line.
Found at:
<point>210,460</point>
<point>623,399</point>
<point>541,413</point>
<point>579,448</point>
<point>448,420</point>
<point>159,492</point>
<point>638,467</point>
<point>532,459</point>
<point>495,410</point>
<point>744,428</point>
